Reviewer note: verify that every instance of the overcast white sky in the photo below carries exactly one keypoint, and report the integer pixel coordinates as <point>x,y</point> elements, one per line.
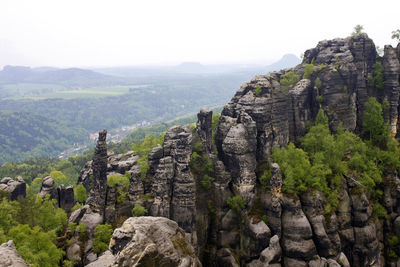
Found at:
<point>81,33</point>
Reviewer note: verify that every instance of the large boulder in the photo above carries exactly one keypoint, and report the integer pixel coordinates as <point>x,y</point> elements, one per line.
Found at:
<point>9,256</point>
<point>152,241</point>
<point>16,187</point>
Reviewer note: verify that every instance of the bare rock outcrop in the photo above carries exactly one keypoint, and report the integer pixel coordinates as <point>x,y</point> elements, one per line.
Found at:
<point>173,185</point>
<point>152,241</point>
<point>48,188</point>
<point>9,256</point>
<point>96,197</point>
<point>16,187</point>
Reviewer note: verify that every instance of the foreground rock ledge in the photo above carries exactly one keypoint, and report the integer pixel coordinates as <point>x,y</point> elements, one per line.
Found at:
<point>149,241</point>
<point>9,256</point>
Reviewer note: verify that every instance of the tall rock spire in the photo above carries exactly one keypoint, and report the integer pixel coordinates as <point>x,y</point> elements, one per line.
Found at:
<point>98,190</point>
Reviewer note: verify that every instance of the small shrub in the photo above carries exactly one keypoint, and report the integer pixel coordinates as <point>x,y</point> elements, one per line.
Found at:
<point>236,203</point>
<point>114,180</point>
<point>319,98</point>
<point>288,80</point>
<point>80,193</point>
<point>392,255</point>
<point>357,30</point>
<point>146,196</point>
<point>379,211</point>
<point>264,179</point>
<point>138,211</point>
<point>308,71</point>
<point>211,208</point>
<point>121,195</point>
<point>318,83</point>
<point>76,207</point>
<point>102,237</point>
<point>198,147</point>
<point>206,182</point>
<point>377,79</point>
<point>81,229</point>
<point>257,91</point>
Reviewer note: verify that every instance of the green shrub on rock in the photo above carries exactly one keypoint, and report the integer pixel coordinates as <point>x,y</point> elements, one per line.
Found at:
<point>138,211</point>
<point>102,237</point>
<point>288,80</point>
<point>236,203</point>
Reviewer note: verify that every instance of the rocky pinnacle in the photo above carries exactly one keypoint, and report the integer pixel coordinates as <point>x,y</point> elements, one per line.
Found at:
<point>99,182</point>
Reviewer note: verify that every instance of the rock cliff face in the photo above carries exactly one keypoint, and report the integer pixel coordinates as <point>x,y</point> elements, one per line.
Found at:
<point>173,186</point>
<point>269,228</point>
<point>16,187</point>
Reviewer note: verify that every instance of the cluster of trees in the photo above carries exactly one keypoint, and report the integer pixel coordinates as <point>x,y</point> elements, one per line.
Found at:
<point>324,158</point>
<point>33,224</point>
<point>34,170</point>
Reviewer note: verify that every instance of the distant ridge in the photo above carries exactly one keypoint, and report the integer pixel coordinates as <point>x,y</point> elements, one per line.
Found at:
<point>49,75</point>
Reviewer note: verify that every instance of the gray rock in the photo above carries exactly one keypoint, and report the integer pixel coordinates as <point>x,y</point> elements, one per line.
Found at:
<point>155,241</point>
<point>96,198</point>
<point>9,256</point>
<point>172,184</point>
<point>107,259</point>
<point>343,260</point>
<point>273,252</point>
<point>66,197</point>
<point>256,237</point>
<point>15,187</point>
<point>48,188</point>
<point>391,72</point>
<point>74,252</point>
<point>226,259</point>
<point>204,128</point>
<point>297,234</point>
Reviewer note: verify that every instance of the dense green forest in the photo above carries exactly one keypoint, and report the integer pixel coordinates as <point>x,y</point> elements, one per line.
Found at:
<point>25,135</point>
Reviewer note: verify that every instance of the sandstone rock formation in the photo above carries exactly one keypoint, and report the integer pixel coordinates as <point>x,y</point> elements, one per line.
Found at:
<point>9,256</point>
<point>173,185</point>
<point>48,188</point>
<point>149,241</point>
<point>16,187</point>
<point>96,197</point>
<point>272,228</point>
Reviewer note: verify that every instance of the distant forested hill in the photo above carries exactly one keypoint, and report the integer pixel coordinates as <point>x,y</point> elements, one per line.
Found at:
<point>53,108</point>
<point>24,135</point>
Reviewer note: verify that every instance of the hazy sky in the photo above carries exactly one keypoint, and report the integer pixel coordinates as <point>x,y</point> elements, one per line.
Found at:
<point>108,33</point>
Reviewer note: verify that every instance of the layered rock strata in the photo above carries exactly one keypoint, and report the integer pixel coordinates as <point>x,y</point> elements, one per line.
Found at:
<point>16,187</point>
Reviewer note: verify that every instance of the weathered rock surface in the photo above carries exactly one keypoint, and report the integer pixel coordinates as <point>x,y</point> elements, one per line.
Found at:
<point>260,117</point>
<point>107,259</point>
<point>204,128</point>
<point>96,197</point>
<point>152,241</point>
<point>48,188</point>
<point>173,185</point>
<point>66,197</point>
<point>9,256</point>
<point>16,187</point>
